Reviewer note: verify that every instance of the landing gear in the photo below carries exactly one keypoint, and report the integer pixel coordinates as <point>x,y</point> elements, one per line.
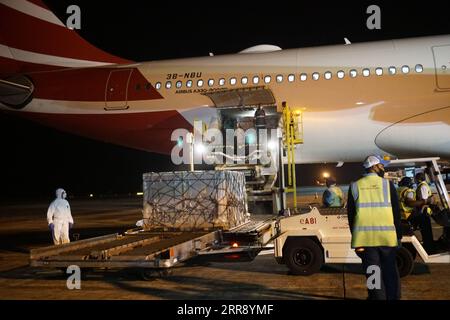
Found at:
<point>152,274</point>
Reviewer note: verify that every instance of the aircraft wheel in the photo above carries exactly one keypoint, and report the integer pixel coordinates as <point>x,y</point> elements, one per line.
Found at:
<point>303,256</point>
<point>165,273</point>
<point>152,274</point>
<point>148,274</point>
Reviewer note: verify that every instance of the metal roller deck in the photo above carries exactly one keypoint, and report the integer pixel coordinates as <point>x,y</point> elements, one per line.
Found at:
<point>140,249</point>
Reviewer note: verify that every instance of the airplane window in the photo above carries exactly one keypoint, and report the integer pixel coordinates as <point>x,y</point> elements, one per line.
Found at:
<point>244,80</point>
<point>189,83</point>
<point>353,73</point>
<point>315,76</point>
<point>255,80</point>
<point>405,69</point>
<point>178,84</point>
<point>168,85</point>
<point>233,81</point>
<point>267,79</point>
<point>366,72</point>
<point>279,78</point>
<point>200,83</point>
<point>138,87</point>
<point>291,78</point>
<point>210,82</point>
<point>303,77</point>
<point>419,68</point>
<point>147,86</point>
<point>327,75</point>
<point>340,74</point>
<point>158,85</point>
<point>392,70</point>
<point>221,81</point>
<point>379,71</point>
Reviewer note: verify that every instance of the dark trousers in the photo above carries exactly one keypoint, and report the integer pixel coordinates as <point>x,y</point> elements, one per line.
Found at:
<point>423,221</point>
<point>384,258</point>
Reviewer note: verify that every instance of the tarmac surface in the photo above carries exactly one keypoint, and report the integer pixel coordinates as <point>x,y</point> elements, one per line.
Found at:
<point>23,227</point>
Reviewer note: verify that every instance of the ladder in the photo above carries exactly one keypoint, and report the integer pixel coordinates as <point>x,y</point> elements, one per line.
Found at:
<point>292,136</point>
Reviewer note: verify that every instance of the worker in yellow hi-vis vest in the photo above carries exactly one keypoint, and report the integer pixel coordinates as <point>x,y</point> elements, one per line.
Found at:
<point>375,224</point>
<point>411,211</point>
<point>423,192</point>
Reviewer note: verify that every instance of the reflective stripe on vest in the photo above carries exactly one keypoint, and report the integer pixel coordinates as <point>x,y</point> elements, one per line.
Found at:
<point>402,196</point>
<point>374,220</point>
<point>375,228</point>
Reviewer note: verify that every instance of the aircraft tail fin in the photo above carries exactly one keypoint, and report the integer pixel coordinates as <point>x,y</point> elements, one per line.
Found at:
<point>32,38</point>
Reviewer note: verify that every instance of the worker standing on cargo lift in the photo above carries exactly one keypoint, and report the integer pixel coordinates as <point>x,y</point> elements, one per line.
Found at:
<point>59,218</point>
<point>410,209</point>
<point>374,221</point>
<point>260,118</point>
<point>260,124</point>
<point>332,197</point>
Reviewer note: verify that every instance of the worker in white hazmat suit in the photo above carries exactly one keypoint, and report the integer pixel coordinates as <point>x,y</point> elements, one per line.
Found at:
<point>59,218</point>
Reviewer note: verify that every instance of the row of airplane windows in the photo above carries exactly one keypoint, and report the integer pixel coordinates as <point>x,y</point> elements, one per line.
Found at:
<point>290,78</point>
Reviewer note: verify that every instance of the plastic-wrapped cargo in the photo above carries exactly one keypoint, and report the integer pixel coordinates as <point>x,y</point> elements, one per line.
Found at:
<point>194,200</point>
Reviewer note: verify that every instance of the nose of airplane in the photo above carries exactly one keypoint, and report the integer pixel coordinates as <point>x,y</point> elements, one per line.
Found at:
<point>426,134</point>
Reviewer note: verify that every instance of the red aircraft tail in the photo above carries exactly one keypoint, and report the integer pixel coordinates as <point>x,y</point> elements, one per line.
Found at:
<point>32,39</point>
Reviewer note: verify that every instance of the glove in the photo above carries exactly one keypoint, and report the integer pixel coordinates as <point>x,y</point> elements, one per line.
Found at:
<point>426,210</point>
<point>70,225</point>
<point>51,226</point>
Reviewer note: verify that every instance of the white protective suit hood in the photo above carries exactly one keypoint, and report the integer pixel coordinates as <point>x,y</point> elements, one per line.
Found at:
<point>61,194</point>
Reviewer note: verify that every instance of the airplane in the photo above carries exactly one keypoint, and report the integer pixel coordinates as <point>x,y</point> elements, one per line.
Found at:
<point>389,98</point>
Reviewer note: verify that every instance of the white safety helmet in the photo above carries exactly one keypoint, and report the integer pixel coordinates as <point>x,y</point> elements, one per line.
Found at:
<point>61,193</point>
<point>372,160</point>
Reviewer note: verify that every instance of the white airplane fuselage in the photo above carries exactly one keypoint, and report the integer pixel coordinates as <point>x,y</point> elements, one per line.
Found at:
<point>345,118</point>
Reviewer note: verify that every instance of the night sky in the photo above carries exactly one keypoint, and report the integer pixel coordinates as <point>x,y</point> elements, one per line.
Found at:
<point>35,160</point>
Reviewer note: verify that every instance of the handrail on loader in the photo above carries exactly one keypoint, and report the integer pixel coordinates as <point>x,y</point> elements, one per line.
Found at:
<point>292,135</point>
